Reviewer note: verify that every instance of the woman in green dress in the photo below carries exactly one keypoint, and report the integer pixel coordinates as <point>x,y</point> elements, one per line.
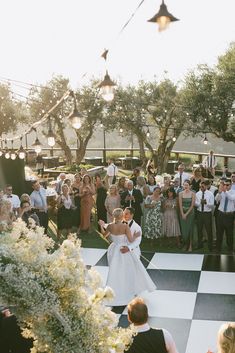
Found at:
<point>186,206</point>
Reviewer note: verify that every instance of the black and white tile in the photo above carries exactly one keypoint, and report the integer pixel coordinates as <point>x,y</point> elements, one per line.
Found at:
<point>195,295</point>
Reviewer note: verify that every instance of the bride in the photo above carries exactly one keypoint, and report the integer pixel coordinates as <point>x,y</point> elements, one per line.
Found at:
<point>127,275</point>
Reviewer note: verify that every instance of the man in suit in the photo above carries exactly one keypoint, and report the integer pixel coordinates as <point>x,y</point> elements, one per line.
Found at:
<point>147,340</point>
<point>210,162</point>
<point>128,215</point>
<point>132,198</point>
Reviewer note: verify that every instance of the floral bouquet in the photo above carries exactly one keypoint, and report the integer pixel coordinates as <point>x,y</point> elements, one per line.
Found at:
<point>59,302</point>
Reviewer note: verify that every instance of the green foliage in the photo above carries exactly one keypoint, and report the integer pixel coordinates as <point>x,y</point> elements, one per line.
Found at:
<point>209,94</point>
<point>11,111</point>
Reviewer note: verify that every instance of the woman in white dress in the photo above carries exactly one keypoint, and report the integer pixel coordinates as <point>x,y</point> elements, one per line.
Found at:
<point>127,275</point>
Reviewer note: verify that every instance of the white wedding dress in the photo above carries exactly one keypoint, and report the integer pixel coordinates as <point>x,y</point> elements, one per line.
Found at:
<point>127,276</point>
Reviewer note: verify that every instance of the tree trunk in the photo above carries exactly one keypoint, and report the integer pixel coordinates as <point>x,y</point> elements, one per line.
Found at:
<point>142,151</point>
<point>83,142</point>
<point>161,157</point>
<point>62,142</point>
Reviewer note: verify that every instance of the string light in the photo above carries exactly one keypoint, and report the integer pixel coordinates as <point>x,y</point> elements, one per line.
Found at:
<point>37,144</point>
<point>205,140</point>
<point>21,152</point>
<point>12,153</point>
<point>6,152</point>
<point>121,130</point>
<point>75,117</point>
<point>148,133</point>
<point>163,17</point>
<point>107,88</point>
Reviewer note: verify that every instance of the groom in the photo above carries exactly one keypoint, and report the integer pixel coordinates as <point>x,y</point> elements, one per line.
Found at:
<point>128,215</point>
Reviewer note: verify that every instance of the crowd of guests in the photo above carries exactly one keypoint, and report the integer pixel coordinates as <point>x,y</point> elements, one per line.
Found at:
<point>170,207</point>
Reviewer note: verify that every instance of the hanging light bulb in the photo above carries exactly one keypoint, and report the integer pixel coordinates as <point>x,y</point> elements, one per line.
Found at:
<point>121,130</point>
<point>163,17</point>
<point>148,133</point>
<point>107,88</point>
<point>1,149</point>
<point>21,152</point>
<point>12,153</point>
<point>174,137</point>
<point>37,144</point>
<point>205,140</point>
<point>50,135</point>
<point>6,151</point>
<point>75,117</point>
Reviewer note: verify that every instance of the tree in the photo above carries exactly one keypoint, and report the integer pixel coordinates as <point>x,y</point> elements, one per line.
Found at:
<point>154,107</point>
<point>209,94</point>
<point>41,100</point>
<point>11,110</point>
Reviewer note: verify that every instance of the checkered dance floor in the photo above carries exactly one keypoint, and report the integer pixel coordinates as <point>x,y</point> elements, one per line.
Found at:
<point>195,295</point>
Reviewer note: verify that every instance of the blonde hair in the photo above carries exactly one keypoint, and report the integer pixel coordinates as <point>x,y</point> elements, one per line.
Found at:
<point>226,338</point>
<point>117,213</point>
<point>113,186</point>
<point>140,181</point>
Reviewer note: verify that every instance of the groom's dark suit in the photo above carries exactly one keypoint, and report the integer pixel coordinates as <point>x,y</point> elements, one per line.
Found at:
<point>136,204</point>
<point>151,341</point>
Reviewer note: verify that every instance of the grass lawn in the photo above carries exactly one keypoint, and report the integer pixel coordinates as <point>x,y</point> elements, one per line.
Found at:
<point>92,239</point>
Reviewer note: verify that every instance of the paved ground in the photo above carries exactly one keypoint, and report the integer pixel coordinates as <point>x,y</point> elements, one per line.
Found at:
<point>195,294</point>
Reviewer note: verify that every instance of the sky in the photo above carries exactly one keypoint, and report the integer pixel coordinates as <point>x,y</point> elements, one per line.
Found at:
<point>46,37</point>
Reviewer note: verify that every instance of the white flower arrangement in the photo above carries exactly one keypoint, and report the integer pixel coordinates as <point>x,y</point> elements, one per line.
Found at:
<point>59,302</point>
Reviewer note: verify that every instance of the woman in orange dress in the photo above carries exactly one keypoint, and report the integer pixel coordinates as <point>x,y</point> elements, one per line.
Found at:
<point>86,193</point>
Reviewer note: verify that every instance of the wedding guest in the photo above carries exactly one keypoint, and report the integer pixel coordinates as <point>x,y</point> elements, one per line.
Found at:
<point>25,197</point>
<point>39,203</point>
<point>133,198</point>
<point>101,194</point>
<point>226,198</point>
<point>204,203</point>
<point>182,175</point>
<point>39,164</point>
<point>121,185</point>
<point>65,211</point>
<point>14,199</point>
<point>142,186</point>
<point>112,172</point>
<point>6,215</point>
<point>186,206</point>
<point>27,212</point>
<point>60,181</point>
<point>153,220</point>
<point>147,340</point>
<point>196,179</point>
<point>166,184</point>
<point>11,339</point>
<point>112,201</point>
<point>68,182</point>
<point>135,174</point>
<point>176,185</point>
<point>233,181</point>
<point>210,162</point>
<point>150,168</point>
<point>76,186</point>
<point>171,227</point>
<point>87,192</point>
<point>151,183</point>
<point>225,338</point>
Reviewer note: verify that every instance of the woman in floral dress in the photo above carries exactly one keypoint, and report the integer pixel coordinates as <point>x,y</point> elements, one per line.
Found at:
<point>153,221</point>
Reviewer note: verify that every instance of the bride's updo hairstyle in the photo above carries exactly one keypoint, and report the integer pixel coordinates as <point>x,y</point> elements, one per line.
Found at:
<point>226,338</point>
<point>117,213</point>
